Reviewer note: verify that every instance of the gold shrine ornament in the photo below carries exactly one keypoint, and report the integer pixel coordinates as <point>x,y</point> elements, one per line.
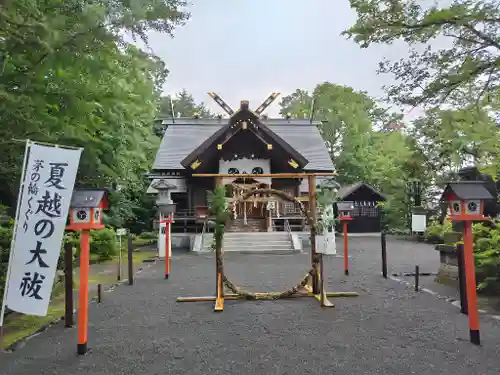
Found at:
<point>293,163</point>
<point>196,164</point>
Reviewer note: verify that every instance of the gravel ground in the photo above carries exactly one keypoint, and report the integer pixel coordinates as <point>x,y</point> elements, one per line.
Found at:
<point>388,329</point>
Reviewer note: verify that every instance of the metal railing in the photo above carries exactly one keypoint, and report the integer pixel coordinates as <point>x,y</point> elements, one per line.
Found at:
<point>205,225</point>
<point>288,229</point>
<point>185,213</point>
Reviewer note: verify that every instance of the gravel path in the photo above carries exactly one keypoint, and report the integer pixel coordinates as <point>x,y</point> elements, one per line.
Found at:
<point>388,329</point>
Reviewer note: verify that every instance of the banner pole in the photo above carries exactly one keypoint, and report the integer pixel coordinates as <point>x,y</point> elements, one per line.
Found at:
<point>14,232</point>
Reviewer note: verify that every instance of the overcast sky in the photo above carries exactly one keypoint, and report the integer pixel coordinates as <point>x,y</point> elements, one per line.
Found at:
<point>246,49</point>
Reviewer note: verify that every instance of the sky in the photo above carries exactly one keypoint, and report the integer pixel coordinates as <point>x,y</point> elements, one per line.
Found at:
<point>247,49</point>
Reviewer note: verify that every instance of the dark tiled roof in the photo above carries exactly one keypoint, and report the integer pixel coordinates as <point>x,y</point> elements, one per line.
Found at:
<point>187,134</point>
<point>347,190</point>
<point>469,190</point>
<point>86,198</point>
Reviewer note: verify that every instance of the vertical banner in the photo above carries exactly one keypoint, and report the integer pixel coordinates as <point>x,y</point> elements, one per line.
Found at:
<point>44,204</point>
<point>162,238</point>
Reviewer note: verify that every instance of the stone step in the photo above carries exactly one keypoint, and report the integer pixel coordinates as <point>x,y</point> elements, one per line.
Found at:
<point>247,242</point>
<point>257,234</point>
<point>260,244</point>
<point>264,251</point>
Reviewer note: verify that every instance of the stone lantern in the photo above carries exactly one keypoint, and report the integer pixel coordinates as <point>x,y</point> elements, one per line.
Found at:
<point>166,209</point>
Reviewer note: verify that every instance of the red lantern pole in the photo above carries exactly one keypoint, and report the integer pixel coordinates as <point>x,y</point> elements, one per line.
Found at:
<point>168,243</point>
<point>346,249</point>
<point>83,306</point>
<point>344,219</point>
<point>470,279</point>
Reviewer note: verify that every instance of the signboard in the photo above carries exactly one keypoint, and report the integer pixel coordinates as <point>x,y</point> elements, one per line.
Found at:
<point>418,223</point>
<point>162,239</point>
<point>45,195</point>
<point>121,232</point>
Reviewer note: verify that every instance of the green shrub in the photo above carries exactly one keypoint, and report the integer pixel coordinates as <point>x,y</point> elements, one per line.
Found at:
<point>487,256</point>
<point>148,235</point>
<point>6,226</point>
<point>435,231</point>
<point>103,243</point>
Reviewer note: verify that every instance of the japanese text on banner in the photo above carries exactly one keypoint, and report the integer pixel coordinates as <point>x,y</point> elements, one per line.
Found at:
<point>47,190</point>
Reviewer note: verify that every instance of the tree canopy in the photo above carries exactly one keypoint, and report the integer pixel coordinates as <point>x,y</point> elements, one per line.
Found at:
<point>69,76</point>
<point>470,29</point>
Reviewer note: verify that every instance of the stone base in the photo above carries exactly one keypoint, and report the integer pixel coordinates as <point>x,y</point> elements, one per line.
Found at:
<point>448,275</point>
<point>447,254</point>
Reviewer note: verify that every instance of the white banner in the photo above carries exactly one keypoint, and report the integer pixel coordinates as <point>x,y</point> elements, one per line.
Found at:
<point>45,197</point>
<point>162,239</point>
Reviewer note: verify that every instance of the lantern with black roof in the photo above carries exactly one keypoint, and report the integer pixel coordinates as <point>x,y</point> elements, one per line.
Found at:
<point>466,200</point>
<point>466,204</point>
<point>86,209</point>
<point>85,214</point>
<point>344,209</point>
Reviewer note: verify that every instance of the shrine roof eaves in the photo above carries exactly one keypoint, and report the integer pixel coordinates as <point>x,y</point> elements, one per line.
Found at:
<point>223,121</point>
<point>186,134</point>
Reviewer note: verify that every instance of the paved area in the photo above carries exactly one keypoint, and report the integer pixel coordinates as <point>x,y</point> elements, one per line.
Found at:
<point>388,329</point>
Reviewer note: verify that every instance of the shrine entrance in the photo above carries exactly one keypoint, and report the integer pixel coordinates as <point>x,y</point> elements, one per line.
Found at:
<point>255,207</point>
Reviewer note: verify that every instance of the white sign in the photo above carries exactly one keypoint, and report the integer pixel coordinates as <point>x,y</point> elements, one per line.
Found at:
<point>418,223</point>
<point>162,239</point>
<point>49,179</point>
<point>121,232</point>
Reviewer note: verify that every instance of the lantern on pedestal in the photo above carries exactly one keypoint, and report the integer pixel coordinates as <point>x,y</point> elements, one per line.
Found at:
<point>345,210</point>
<point>465,201</point>
<point>86,209</point>
<point>166,210</point>
<point>85,213</point>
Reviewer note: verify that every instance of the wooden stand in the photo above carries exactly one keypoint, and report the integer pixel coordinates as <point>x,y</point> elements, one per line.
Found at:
<point>322,296</point>
<point>315,285</point>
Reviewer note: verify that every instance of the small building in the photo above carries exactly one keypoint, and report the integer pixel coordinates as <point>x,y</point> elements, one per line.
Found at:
<point>366,214</point>
<point>243,144</point>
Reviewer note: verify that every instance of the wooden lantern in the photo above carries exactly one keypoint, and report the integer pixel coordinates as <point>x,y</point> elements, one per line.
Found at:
<point>465,200</point>
<point>86,209</point>
<point>345,208</point>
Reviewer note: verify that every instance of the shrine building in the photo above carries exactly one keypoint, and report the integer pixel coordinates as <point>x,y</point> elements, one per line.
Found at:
<point>245,143</point>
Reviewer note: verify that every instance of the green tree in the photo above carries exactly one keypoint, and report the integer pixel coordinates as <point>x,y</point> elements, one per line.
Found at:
<point>451,138</point>
<point>471,29</point>
<point>363,144</point>
<point>69,77</point>
<point>184,106</point>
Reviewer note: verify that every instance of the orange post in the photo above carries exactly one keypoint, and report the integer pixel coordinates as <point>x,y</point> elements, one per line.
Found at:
<point>167,246</point>
<point>470,279</point>
<point>346,250</point>
<point>83,306</point>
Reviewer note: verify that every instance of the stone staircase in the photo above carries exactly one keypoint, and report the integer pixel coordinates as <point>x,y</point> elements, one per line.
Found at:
<point>253,243</point>
<point>252,225</point>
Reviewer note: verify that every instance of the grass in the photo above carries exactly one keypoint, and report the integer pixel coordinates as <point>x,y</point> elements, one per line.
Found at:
<point>19,326</point>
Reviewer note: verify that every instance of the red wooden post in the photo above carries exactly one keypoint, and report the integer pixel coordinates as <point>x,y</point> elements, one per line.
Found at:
<point>470,277</point>
<point>83,305</point>
<point>346,250</point>
<point>344,219</point>
<point>466,204</point>
<point>168,243</point>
